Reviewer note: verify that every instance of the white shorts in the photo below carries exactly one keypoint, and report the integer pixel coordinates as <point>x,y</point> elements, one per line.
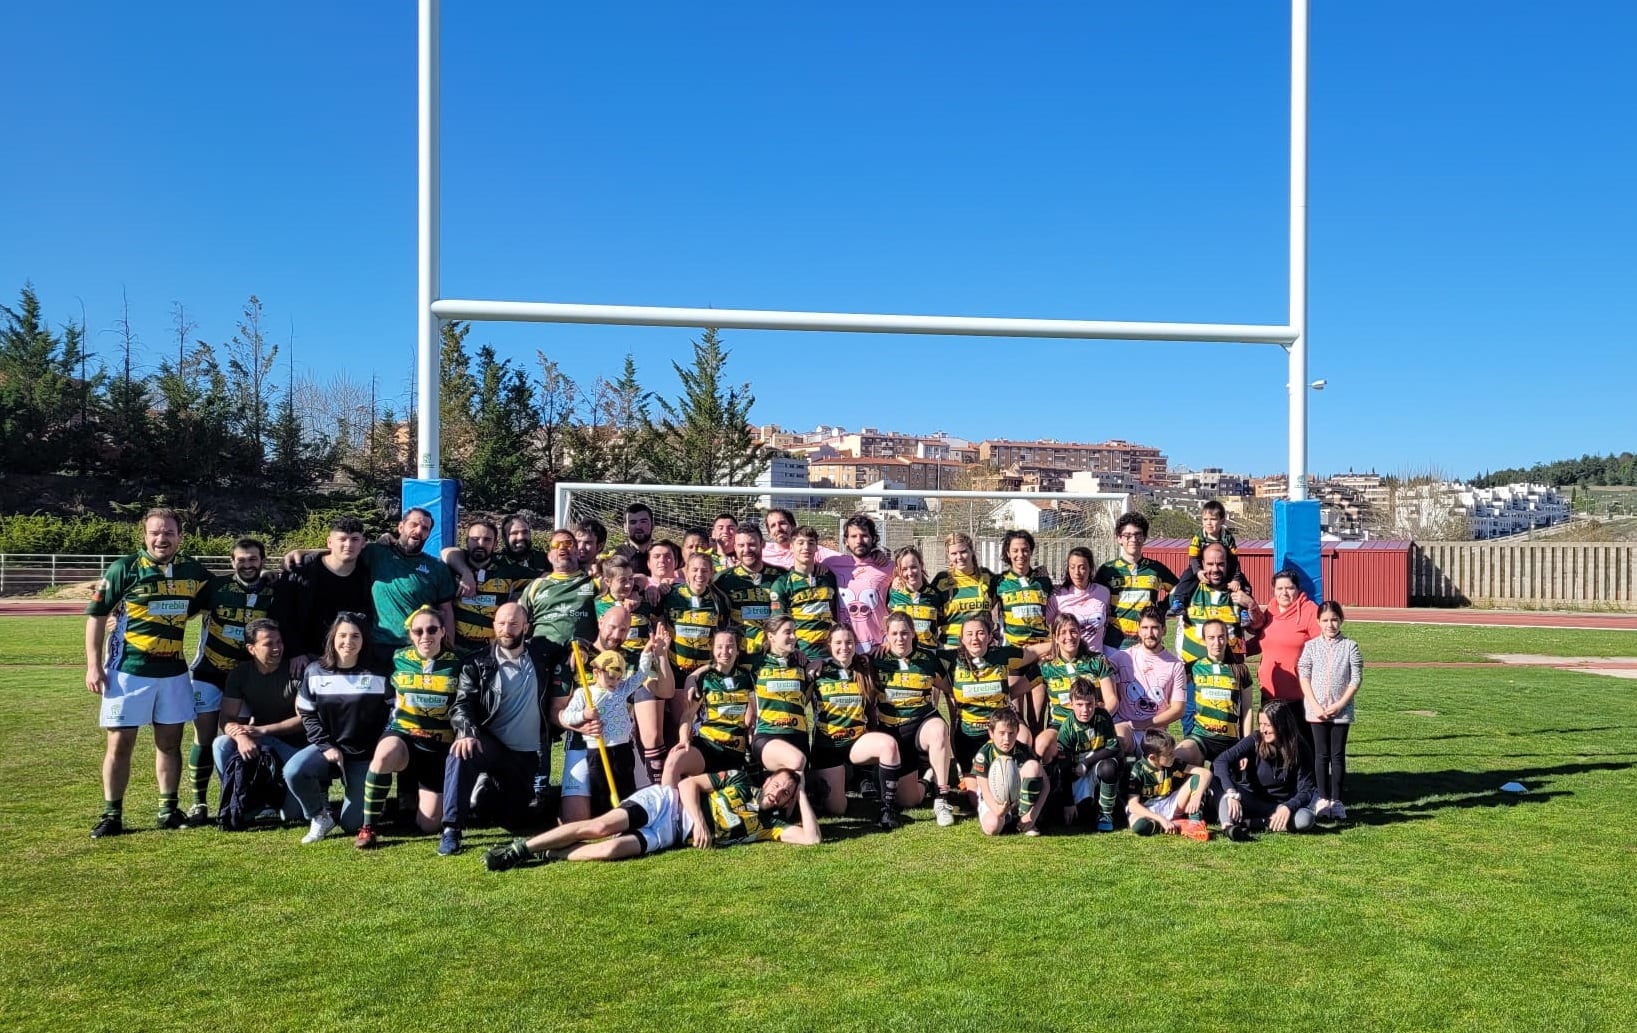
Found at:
<point>1166,806</point>
<point>663,806</point>
<point>135,701</point>
<point>207,698</point>
<point>576,772</point>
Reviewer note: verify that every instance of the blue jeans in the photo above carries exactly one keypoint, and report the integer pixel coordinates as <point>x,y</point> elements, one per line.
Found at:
<point>224,748</point>
<point>308,775</point>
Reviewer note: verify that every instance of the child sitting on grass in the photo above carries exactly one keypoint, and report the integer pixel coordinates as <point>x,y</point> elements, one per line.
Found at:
<point>1087,771</point>
<point>1160,789</point>
<point>998,817</point>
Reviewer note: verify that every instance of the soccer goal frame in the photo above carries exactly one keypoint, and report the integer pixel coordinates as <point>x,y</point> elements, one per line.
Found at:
<point>432,309</point>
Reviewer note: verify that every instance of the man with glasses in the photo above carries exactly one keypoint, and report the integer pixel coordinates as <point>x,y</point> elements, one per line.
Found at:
<point>1134,582</point>
<point>561,604</point>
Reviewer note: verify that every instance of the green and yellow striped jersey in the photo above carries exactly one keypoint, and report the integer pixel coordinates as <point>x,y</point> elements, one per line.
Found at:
<point>1148,782</point>
<point>1197,544</point>
<point>751,594</point>
<point>783,692</point>
<point>1210,604</point>
<point>925,608</point>
<point>497,583</point>
<point>840,711</point>
<point>1077,741</point>
<point>1217,699</point>
<point>642,622</point>
<point>735,811</point>
<point>908,685</point>
<point>153,601</point>
<point>987,753</point>
<point>233,604</point>
<point>812,600</point>
<point>694,619</point>
<point>1131,589</point>
<point>1060,675</point>
<point>980,686</point>
<point>964,595</point>
<point>425,690</point>
<point>1023,599</point>
<point>724,699</point>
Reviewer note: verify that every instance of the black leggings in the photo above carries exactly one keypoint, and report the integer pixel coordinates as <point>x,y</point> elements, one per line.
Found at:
<point>1330,757</point>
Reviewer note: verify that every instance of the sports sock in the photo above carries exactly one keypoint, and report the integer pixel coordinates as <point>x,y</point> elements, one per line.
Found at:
<point>114,807</point>
<point>1108,786</point>
<point>198,773</point>
<point>654,761</point>
<point>167,802</point>
<point>887,776</point>
<point>1145,826</point>
<point>377,785</point>
<point>1031,792</point>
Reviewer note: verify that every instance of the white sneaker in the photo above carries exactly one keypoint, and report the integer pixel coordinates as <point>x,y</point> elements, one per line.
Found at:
<point>1338,811</point>
<point>941,811</point>
<point>322,825</point>
<point>1321,809</point>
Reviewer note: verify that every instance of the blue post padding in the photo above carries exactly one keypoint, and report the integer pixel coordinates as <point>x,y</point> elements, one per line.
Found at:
<point>1296,544</point>
<point>440,498</point>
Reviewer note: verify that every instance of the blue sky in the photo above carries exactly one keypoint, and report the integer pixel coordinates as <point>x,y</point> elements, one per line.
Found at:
<point>1473,295</point>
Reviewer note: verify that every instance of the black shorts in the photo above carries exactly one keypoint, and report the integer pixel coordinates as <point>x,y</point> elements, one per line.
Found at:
<point>828,754</point>
<point>966,747</point>
<point>1209,746</point>
<point>427,760</point>
<point>718,758</point>
<point>909,743</point>
<point>759,742</point>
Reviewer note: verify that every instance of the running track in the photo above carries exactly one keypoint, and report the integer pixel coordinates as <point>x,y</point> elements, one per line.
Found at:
<point>1471,618</point>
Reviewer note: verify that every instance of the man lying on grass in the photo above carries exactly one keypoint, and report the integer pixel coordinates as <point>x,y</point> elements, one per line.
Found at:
<point>657,818</point>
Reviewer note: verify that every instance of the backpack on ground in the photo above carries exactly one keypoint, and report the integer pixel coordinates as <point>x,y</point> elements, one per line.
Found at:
<point>248,788</point>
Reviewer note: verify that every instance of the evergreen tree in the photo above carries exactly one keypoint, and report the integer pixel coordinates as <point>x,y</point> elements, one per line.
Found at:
<point>457,393</point>
<point>627,418</point>
<point>504,470</point>
<point>250,367</point>
<point>40,389</point>
<point>127,413</point>
<point>704,435</point>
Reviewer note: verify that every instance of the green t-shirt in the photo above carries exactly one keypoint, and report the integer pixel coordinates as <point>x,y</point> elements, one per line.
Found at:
<point>812,600</point>
<point>642,623</point>
<point>561,607</point>
<point>1076,741</point>
<point>232,605</point>
<point>987,753</point>
<point>497,583</point>
<point>1147,782</point>
<point>402,584</point>
<point>153,602</point>
<point>694,619</point>
<point>783,692</point>
<point>1211,604</point>
<point>1060,676</point>
<point>751,594</point>
<point>1023,599</point>
<point>907,685</point>
<point>1131,589</point>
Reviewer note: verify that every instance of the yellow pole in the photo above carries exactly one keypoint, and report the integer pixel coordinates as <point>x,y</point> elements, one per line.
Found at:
<point>602,750</point>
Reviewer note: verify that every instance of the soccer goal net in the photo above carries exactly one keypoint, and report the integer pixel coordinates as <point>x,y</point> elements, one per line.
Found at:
<point>1058,521</point>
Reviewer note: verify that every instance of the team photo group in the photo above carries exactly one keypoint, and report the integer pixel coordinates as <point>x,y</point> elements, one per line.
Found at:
<point>736,686</point>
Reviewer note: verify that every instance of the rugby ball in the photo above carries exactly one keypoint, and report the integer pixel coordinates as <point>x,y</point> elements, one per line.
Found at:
<point>1005,785</point>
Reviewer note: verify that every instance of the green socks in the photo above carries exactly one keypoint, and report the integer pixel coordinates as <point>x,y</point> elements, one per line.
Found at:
<point>377,787</point>
<point>114,807</point>
<point>1030,793</point>
<point>198,773</point>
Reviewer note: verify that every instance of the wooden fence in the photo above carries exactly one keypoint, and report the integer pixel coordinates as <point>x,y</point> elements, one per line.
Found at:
<point>1597,575</point>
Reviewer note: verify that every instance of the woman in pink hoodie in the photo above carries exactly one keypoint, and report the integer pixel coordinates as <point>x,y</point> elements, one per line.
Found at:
<point>1293,618</point>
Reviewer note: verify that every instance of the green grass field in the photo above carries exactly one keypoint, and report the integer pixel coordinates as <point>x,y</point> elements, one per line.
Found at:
<point>1446,904</point>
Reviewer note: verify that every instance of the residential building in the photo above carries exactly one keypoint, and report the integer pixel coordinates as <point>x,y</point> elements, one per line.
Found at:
<point>1146,465</point>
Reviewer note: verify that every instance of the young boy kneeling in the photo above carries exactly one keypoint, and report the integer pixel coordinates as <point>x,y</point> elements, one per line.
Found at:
<point>1084,758</point>
<point>703,810</point>
<point>1160,789</point>
<point>996,816</point>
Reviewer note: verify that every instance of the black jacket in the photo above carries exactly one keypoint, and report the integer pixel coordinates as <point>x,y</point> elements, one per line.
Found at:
<point>478,692</point>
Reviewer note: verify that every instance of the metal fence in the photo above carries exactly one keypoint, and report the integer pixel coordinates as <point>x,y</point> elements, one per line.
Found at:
<point>29,573</point>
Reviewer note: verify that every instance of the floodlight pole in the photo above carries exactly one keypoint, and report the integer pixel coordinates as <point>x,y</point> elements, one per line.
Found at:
<point>1296,483</point>
<point>427,352</point>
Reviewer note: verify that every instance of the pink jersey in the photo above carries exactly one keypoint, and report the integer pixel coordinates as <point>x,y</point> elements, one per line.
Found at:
<point>864,586</point>
<point>779,555</point>
<point>1148,682</point>
<point>1088,605</point>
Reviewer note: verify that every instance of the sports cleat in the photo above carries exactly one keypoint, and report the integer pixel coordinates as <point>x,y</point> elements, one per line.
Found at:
<point>171,819</point>
<point>269,814</point>
<point>889,820</point>
<point>449,842</point>
<point>942,812</point>
<point>506,855</point>
<point>1194,829</point>
<point>366,837</point>
<point>1238,833</point>
<point>321,827</point>
<point>107,825</point>
<point>198,816</point>
<point>1105,824</point>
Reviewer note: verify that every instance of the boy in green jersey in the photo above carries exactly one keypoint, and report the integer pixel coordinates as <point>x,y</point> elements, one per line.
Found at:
<point>1082,753</point>
<point>1163,794</point>
<point>997,816</point>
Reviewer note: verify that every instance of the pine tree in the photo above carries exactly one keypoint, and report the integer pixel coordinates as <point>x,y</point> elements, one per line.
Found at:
<point>457,393</point>
<point>127,419</point>
<point>504,470</point>
<point>627,418</point>
<point>704,435</point>
<point>41,403</point>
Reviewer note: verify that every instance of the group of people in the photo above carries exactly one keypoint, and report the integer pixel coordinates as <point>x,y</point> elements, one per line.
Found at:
<point>732,687</point>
